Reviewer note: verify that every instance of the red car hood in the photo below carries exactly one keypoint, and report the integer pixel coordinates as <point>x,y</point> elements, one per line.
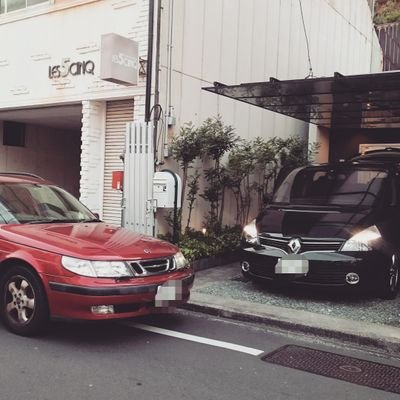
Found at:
<point>87,240</point>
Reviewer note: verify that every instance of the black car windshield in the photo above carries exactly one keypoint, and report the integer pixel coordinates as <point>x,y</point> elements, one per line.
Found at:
<point>339,186</point>
<point>39,203</point>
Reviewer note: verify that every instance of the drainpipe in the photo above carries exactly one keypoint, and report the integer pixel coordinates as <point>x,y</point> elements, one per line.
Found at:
<point>157,78</point>
<point>149,60</point>
<point>169,72</point>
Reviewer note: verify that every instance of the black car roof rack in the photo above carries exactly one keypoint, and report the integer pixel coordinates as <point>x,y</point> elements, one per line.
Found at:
<point>22,174</point>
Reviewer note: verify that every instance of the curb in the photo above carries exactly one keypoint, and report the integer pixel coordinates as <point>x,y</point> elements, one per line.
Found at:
<point>380,337</point>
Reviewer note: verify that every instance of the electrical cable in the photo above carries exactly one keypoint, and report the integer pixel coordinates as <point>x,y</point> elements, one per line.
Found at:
<point>310,74</point>
<point>162,126</point>
<point>158,116</point>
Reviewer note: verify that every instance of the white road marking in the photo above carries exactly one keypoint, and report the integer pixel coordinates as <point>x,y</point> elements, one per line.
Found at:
<point>197,339</point>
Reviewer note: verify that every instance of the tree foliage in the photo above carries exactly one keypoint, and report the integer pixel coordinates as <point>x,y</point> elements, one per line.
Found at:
<point>387,11</point>
<point>246,170</point>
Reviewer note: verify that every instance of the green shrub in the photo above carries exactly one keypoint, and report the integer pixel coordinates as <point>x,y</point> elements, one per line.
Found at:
<point>195,244</point>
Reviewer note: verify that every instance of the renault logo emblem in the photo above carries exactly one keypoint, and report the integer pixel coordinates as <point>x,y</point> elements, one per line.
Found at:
<point>294,245</point>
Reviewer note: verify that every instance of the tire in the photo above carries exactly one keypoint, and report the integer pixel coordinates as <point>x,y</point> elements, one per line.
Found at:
<point>390,285</point>
<point>24,308</point>
<point>246,276</point>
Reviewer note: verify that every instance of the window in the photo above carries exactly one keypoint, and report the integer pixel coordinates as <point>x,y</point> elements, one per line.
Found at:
<point>341,186</point>
<point>13,134</point>
<point>14,5</point>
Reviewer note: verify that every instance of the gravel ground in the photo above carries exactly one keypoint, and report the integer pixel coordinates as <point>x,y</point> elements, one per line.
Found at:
<point>356,306</point>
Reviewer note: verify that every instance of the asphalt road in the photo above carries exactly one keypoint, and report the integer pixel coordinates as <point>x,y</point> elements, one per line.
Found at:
<point>123,361</point>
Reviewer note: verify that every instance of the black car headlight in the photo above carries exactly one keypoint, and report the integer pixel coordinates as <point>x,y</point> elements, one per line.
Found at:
<point>362,241</point>
<point>250,234</point>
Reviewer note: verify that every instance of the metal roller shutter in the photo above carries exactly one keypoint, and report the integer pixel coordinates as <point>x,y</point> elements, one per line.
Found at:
<point>117,115</point>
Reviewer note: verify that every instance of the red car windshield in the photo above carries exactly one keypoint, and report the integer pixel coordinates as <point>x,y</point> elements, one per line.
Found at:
<point>39,203</point>
<point>341,186</point>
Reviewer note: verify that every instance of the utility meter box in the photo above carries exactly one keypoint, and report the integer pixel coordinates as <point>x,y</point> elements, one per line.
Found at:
<point>167,188</point>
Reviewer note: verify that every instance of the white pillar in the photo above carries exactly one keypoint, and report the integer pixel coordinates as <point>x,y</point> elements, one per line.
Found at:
<point>92,156</point>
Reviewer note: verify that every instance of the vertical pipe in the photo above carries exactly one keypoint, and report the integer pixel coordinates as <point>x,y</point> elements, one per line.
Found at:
<point>157,76</point>
<point>171,28</point>
<point>149,60</point>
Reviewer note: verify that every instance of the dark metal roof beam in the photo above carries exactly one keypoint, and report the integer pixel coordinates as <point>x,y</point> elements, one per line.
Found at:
<point>327,108</point>
<point>358,101</point>
<point>309,87</point>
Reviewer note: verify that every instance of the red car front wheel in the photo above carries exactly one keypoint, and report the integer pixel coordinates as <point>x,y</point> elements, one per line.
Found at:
<point>24,307</point>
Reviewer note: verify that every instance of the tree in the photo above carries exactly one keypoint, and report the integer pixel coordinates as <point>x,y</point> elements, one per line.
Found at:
<point>387,11</point>
<point>193,186</point>
<point>249,170</point>
<point>217,139</point>
<point>240,166</point>
<point>186,147</point>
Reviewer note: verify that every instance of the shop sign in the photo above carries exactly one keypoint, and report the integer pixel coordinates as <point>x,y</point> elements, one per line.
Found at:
<point>71,68</point>
<point>119,59</point>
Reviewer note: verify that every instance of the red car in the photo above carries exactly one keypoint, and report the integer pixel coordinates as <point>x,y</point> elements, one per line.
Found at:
<point>57,259</point>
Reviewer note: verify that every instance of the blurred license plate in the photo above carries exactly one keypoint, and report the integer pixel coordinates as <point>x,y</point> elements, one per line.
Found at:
<point>292,264</point>
<point>167,293</point>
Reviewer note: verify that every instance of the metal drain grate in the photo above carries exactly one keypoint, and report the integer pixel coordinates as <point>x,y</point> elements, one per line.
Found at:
<point>354,370</point>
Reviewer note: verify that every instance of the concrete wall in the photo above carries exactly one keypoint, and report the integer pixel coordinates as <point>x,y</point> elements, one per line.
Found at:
<point>51,153</point>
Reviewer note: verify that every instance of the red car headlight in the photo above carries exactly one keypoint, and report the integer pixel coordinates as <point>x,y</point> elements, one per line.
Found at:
<point>96,269</point>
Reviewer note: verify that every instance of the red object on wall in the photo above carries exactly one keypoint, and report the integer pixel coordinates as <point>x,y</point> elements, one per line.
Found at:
<point>118,180</point>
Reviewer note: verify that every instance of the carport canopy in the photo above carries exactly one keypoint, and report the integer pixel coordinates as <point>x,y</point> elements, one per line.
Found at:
<point>338,102</point>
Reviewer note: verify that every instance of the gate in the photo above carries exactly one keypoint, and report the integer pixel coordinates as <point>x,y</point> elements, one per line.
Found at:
<point>138,205</point>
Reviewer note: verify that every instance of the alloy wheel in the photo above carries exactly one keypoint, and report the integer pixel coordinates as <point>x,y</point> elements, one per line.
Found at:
<point>24,307</point>
<point>20,300</point>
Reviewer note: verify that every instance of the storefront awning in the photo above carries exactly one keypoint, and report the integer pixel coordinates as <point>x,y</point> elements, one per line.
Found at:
<point>345,102</point>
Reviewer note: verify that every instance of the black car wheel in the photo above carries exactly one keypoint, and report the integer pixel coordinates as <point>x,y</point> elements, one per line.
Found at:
<point>24,307</point>
<point>390,285</point>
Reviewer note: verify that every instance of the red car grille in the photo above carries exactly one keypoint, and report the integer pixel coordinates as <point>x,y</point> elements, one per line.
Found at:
<point>152,267</point>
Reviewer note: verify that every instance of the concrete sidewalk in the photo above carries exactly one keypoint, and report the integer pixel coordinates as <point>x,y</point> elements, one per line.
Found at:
<point>211,295</point>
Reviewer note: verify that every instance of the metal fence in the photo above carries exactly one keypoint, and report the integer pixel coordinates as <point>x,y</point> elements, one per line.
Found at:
<point>138,204</point>
<point>389,39</point>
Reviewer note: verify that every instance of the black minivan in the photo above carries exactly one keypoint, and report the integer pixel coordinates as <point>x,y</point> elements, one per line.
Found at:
<point>334,224</point>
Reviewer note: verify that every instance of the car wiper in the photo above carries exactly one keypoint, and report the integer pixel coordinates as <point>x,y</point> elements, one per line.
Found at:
<point>51,221</point>
<point>90,220</point>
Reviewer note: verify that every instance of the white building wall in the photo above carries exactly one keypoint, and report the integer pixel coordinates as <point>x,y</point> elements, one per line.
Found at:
<point>41,37</point>
<point>69,29</point>
<point>238,41</point>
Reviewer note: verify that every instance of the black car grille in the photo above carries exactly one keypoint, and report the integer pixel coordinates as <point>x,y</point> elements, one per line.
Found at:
<point>321,274</point>
<point>152,267</point>
<point>307,244</point>
<point>318,274</point>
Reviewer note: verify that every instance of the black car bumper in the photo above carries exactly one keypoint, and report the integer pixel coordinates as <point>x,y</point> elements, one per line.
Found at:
<point>324,268</point>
